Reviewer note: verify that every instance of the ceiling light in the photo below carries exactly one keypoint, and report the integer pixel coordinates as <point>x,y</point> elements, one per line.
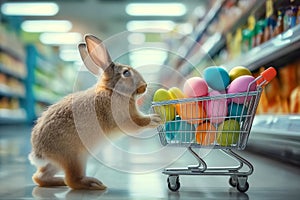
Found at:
<point>46,26</point>
<point>148,57</point>
<point>60,38</point>
<point>30,9</point>
<point>156,9</point>
<point>150,26</point>
<point>148,54</point>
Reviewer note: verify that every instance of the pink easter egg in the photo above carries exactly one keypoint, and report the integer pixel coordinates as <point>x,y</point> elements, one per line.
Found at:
<point>216,107</point>
<point>240,85</point>
<point>195,87</point>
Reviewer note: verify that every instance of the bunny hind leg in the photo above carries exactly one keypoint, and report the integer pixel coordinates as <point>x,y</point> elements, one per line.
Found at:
<point>75,176</point>
<point>45,176</point>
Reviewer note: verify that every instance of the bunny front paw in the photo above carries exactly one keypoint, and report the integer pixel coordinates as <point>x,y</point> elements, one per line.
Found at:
<point>155,120</point>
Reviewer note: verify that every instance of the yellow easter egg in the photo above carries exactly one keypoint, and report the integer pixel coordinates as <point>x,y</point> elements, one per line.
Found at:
<point>166,112</point>
<point>176,93</point>
<point>238,71</point>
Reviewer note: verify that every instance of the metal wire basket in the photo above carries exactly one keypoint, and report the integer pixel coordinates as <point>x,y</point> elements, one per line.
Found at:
<point>219,121</point>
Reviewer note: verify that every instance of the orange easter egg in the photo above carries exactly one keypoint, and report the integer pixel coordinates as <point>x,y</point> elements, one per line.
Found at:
<point>206,133</point>
<point>193,112</point>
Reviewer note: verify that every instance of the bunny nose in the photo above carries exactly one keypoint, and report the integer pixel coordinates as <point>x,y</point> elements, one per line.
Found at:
<point>142,88</point>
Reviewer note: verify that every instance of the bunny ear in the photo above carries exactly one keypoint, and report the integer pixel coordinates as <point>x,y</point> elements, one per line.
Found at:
<point>97,51</point>
<point>90,65</point>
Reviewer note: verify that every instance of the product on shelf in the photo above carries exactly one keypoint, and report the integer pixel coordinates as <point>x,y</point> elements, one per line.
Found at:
<point>9,103</point>
<point>11,86</point>
<point>281,95</point>
<point>295,100</point>
<point>278,18</point>
<point>11,65</point>
<point>4,103</point>
<point>11,42</point>
<point>3,79</point>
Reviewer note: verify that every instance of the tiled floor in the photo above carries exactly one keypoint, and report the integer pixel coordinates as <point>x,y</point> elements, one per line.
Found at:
<point>136,174</point>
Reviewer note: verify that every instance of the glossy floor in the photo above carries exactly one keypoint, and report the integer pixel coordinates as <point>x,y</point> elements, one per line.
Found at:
<point>133,175</point>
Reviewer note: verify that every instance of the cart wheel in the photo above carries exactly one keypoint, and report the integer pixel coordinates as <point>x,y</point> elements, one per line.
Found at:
<point>242,189</point>
<point>232,181</point>
<point>173,183</point>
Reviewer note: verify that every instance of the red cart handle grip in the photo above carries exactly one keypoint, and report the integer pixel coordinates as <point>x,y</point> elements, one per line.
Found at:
<point>266,76</point>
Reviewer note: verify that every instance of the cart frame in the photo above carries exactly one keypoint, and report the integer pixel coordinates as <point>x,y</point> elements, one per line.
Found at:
<point>238,175</point>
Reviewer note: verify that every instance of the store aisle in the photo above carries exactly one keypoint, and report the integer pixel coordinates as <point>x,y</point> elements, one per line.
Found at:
<point>271,179</point>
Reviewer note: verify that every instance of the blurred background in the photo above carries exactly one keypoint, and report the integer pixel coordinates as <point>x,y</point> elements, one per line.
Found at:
<point>40,63</point>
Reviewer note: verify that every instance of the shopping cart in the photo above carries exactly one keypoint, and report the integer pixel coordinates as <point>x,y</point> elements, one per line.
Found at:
<point>204,123</point>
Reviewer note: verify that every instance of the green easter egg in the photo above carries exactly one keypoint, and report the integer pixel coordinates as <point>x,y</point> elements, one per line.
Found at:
<point>229,132</point>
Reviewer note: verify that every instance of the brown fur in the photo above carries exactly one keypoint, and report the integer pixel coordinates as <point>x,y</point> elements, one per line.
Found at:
<point>69,129</point>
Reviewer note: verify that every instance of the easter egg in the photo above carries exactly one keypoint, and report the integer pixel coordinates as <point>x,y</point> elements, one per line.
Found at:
<point>206,134</point>
<point>217,78</point>
<point>176,93</point>
<point>240,85</point>
<point>238,71</point>
<point>216,107</point>
<point>195,87</point>
<point>166,112</point>
<point>229,132</point>
<point>193,112</point>
<point>179,131</point>
<point>161,95</point>
<point>237,111</point>
<point>172,127</point>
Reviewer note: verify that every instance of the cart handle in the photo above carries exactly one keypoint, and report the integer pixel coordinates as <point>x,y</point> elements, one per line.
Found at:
<point>266,76</point>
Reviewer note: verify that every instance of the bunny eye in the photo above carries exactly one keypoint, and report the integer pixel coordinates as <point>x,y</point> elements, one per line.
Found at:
<point>126,73</point>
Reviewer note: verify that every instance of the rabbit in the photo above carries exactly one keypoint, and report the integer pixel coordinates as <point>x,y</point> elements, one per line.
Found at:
<point>68,130</point>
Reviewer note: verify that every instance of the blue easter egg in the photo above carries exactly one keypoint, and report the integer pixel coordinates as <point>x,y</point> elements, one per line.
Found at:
<point>216,77</point>
<point>179,131</point>
<point>237,111</point>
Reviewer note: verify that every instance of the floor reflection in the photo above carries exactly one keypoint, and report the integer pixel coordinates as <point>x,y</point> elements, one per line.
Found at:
<point>271,179</point>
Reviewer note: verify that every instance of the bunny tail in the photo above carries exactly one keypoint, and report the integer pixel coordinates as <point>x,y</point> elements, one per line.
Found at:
<point>37,160</point>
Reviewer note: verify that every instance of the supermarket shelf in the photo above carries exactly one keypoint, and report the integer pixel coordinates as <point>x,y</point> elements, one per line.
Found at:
<point>7,91</point>
<point>189,45</point>
<point>217,41</point>
<point>45,96</point>
<point>276,136</point>
<point>12,116</point>
<point>13,53</point>
<point>45,100</point>
<point>213,45</point>
<point>4,70</point>
<point>280,125</point>
<point>276,51</point>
